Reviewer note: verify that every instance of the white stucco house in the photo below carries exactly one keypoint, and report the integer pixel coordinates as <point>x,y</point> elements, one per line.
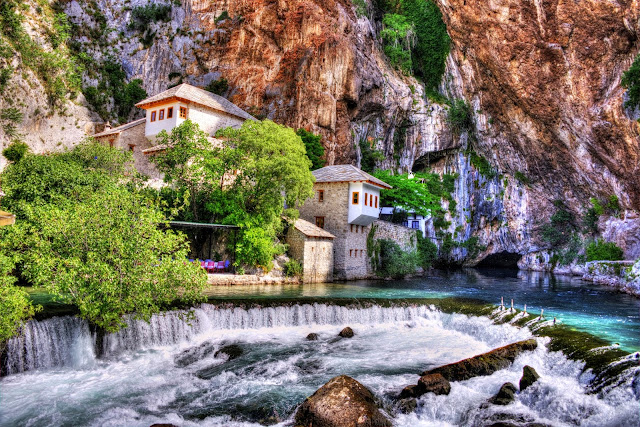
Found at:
<point>415,221</point>
<point>166,111</point>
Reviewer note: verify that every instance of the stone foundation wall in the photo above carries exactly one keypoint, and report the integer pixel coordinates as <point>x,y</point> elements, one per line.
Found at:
<point>248,279</point>
<point>403,236</point>
<point>315,255</point>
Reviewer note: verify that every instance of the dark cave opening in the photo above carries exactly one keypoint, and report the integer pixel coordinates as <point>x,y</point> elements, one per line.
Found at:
<point>502,259</point>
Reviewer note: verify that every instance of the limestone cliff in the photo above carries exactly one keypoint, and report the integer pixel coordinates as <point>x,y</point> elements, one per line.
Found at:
<point>542,78</point>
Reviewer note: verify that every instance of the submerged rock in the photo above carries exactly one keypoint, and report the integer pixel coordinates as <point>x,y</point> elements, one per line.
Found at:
<point>505,396</point>
<point>484,364</point>
<point>409,391</point>
<point>341,402</point>
<point>407,406</point>
<point>529,376</point>
<point>194,354</point>
<point>346,333</point>
<point>232,351</point>
<point>312,337</point>
<point>433,383</point>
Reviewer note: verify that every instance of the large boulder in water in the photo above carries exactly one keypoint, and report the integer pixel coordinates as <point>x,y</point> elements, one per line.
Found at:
<point>346,333</point>
<point>342,402</point>
<point>505,396</point>
<point>484,364</point>
<point>529,376</point>
<point>312,337</point>
<point>433,383</point>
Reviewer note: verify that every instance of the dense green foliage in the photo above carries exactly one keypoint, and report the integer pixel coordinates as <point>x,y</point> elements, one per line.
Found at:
<point>423,194</point>
<point>143,16</point>
<point>219,87</point>
<point>521,178</point>
<point>15,306</point>
<point>369,156</point>
<point>16,151</point>
<point>88,235</point>
<point>599,250</point>
<point>361,7</point>
<point>224,15</point>
<point>459,116</point>
<point>57,71</point>
<point>261,167</point>
<point>113,85</point>
<point>398,36</point>
<point>293,268</point>
<point>631,81</point>
<point>427,251</point>
<point>431,47</point>
<point>390,260</point>
<point>313,146</point>
<point>473,247</point>
<point>559,231</point>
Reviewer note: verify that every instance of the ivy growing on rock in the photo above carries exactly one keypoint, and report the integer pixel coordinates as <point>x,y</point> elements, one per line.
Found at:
<point>631,82</point>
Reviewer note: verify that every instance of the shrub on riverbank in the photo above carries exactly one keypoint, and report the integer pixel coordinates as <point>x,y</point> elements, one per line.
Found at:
<point>604,251</point>
<point>390,260</point>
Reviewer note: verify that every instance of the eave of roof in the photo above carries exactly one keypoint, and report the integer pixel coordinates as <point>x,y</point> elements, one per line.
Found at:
<point>121,128</point>
<point>347,173</point>
<point>311,230</point>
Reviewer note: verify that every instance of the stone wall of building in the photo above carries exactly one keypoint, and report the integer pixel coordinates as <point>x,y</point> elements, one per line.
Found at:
<point>403,236</point>
<point>350,245</point>
<point>315,254</point>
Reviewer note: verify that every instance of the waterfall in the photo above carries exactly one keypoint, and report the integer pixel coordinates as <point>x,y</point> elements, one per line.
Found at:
<point>68,341</point>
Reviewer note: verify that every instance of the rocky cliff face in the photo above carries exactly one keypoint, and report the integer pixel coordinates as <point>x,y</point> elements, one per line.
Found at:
<point>542,78</point>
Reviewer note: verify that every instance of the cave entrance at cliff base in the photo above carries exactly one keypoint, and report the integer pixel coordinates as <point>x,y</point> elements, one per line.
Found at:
<point>502,259</point>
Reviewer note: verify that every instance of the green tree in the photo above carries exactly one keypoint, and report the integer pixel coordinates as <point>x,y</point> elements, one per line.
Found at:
<point>631,82</point>
<point>423,194</point>
<point>398,36</point>
<point>15,306</point>
<point>459,116</point>
<point>219,87</point>
<point>107,255</point>
<point>390,260</point>
<point>313,146</point>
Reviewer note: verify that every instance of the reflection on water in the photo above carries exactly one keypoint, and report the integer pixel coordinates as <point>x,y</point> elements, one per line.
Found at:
<point>593,308</point>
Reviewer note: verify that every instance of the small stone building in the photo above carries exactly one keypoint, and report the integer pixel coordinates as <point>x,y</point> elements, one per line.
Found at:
<point>346,203</point>
<point>167,110</point>
<point>313,247</point>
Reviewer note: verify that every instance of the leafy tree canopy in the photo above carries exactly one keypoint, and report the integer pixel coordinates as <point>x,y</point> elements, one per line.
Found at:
<point>16,151</point>
<point>247,181</point>
<point>15,306</point>
<point>88,236</point>
<point>313,146</point>
<point>423,194</point>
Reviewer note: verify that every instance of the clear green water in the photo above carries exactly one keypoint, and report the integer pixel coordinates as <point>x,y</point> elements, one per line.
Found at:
<point>599,310</point>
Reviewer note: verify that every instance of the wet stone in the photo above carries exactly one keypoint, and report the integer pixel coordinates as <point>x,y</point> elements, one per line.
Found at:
<point>346,333</point>
<point>312,337</point>
<point>232,351</point>
<point>505,396</point>
<point>529,376</point>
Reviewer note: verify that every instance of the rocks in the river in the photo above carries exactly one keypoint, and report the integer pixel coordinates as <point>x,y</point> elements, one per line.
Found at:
<point>312,337</point>
<point>194,354</point>
<point>163,425</point>
<point>505,396</point>
<point>346,333</point>
<point>232,351</point>
<point>529,376</point>
<point>341,402</point>
<point>484,364</point>
<point>433,383</point>
<point>409,391</point>
<point>407,406</point>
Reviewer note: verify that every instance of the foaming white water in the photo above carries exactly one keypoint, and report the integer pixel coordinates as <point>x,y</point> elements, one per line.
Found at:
<point>67,341</point>
<point>171,372</point>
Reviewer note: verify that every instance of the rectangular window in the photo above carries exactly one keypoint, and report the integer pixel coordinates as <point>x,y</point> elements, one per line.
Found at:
<point>170,113</point>
<point>415,224</point>
<point>321,196</point>
<point>352,228</point>
<point>350,252</point>
<point>355,198</point>
<point>131,147</point>
<point>153,116</point>
<point>320,221</point>
<point>161,115</point>
<point>376,202</point>
<point>183,112</point>
<point>357,227</point>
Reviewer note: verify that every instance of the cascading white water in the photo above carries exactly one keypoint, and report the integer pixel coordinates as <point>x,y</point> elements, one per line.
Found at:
<point>172,370</point>
<point>67,341</point>
<point>60,341</point>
